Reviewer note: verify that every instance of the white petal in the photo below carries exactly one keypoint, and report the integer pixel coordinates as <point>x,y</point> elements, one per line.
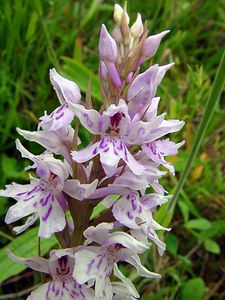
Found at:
<point>142,271</point>
<point>77,190</point>
<point>129,285</point>
<point>66,90</point>
<point>36,263</point>
<point>52,217</point>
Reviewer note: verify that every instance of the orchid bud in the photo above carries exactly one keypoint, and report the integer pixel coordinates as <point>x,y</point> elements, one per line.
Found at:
<point>117,34</point>
<point>137,28</point>
<point>118,12</point>
<point>107,46</point>
<point>151,44</point>
<point>66,90</point>
<point>103,71</point>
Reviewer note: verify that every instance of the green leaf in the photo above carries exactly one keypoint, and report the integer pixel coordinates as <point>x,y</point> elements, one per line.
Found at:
<point>10,168</point>
<point>24,245</point>
<point>98,210</point>
<point>77,72</point>
<point>212,246</point>
<point>193,289</point>
<point>200,224</point>
<point>172,244</point>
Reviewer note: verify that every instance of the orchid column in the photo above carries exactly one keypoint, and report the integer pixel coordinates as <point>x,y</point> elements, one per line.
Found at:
<point>127,148</point>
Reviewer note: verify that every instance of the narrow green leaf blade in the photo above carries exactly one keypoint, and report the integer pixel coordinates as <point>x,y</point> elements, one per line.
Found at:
<point>24,245</point>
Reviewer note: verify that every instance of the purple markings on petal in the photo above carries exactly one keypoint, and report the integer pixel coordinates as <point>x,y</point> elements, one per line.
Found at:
<point>45,201</point>
<point>129,215</point>
<point>102,144</point>
<point>60,108</point>
<point>133,204</point>
<point>88,120</point>
<point>100,124</point>
<point>95,151</point>
<point>100,261</point>
<point>120,145</point>
<point>90,266</point>
<point>29,198</point>
<point>60,116</point>
<point>20,194</point>
<point>45,217</point>
<point>125,154</point>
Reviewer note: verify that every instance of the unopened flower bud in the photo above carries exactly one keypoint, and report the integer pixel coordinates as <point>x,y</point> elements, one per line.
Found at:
<point>103,71</point>
<point>152,43</point>
<point>117,34</point>
<point>118,12</point>
<point>107,46</point>
<point>137,28</point>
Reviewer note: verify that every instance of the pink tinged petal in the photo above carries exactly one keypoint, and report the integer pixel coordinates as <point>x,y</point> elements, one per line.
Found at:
<point>127,283</point>
<point>142,271</point>
<point>52,216</point>
<point>167,126</point>
<point>105,191</point>
<point>103,71</point>
<point>89,118</point>
<point>36,263</point>
<point>60,117</point>
<point>162,71</point>
<point>151,45</point>
<point>114,74</point>
<point>79,191</point>
<point>107,46</point>
<point>66,90</point>
<point>142,90</point>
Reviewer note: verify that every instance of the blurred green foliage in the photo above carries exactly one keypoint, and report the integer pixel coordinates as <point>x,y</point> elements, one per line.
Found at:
<point>40,34</point>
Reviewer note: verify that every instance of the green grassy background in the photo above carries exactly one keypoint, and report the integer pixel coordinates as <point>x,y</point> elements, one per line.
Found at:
<point>38,35</point>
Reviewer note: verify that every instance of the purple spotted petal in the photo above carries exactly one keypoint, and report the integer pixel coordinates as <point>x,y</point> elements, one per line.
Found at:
<point>60,117</point>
